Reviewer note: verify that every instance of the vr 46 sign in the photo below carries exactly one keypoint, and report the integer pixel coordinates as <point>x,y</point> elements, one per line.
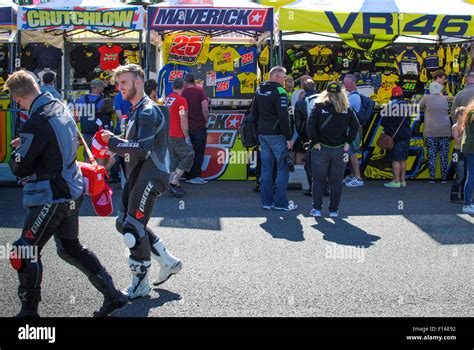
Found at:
<point>436,25</point>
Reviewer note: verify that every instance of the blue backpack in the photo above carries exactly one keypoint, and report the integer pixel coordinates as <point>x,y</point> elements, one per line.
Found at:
<point>366,108</point>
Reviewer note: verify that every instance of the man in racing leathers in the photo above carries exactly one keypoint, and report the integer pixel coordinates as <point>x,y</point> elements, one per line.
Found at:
<point>46,152</point>
<point>145,152</point>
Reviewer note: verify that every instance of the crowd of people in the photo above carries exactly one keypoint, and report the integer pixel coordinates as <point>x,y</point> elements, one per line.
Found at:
<point>325,129</point>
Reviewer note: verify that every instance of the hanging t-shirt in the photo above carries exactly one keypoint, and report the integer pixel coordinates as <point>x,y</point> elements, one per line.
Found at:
<point>84,59</point>
<point>186,48</point>
<point>109,57</point>
<point>225,84</point>
<point>322,57</point>
<point>365,61</point>
<point>384,93</point>
<point>248,59</point>
<point>28,60</point>
<point>345,59</point>
<point>4,56</point>
<point>433,58</point>
<point>298,61</point>
<point>175,102</point>
<point>131,55</point>
<point>48,57</point>
<point>223,58</point>
<point>168,74</point>
<point>409,62</point>
<point>247,82</point>
<point>385,60</point>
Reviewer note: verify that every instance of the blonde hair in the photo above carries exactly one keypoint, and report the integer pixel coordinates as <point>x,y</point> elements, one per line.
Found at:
<point>339,100</point>
<point>135,69</point>
<point>468,114</point>
<point>21,84</point>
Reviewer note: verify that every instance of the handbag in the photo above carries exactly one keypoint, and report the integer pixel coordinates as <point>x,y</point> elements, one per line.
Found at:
<point>93,174</point>
<point>387,142</point>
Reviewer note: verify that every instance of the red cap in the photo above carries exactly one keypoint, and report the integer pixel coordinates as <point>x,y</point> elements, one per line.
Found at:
<point>99,146</point>
<point>397,91</point>
<point>103,202</point>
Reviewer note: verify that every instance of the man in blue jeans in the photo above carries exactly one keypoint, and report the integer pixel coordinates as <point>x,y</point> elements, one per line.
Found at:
<point>271,118</point>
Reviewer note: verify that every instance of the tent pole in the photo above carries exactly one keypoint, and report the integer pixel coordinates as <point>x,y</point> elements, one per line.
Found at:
<point>147,53</point>
<point>140,47</point>
<point>280,48</point>
<point>272,43</point>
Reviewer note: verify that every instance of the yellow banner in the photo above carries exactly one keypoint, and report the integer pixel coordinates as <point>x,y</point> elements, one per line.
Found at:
<point>276,4</point>
<point>337,22</point>
<point>422,24</point>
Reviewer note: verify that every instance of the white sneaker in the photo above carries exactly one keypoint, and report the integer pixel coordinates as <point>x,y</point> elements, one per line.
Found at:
<point>315,213</point>
<point>468,209</point>
<point>347,179</point>
<point>334,214</point>
<point>139,287</point>
<point>355,182</point>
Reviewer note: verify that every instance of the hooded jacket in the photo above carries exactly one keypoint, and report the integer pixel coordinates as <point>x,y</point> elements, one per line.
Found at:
<point>270,110</point>
<point>47,154</point>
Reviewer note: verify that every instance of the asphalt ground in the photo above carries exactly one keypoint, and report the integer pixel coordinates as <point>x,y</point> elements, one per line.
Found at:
<point>392,253</point>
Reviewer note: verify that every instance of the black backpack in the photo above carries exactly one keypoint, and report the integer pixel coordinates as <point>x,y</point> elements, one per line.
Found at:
<point>247,131</point>
<point>366,108</point>
<point>88,122</point>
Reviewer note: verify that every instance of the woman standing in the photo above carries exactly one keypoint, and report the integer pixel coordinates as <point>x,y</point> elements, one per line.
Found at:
<point>399,128</point>
<point>332,126</point>
<point>467,148</point>
<point>437,132</point>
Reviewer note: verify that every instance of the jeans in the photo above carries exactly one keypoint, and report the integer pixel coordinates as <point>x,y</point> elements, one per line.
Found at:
<point>274,147</point>
<point>469,186</point>
<point>198,140</point>
<point>327,164</point>
<point>460,163</point>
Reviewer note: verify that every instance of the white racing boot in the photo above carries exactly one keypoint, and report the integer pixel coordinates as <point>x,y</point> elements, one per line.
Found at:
<point>140,287</point>
<point>169,264</point>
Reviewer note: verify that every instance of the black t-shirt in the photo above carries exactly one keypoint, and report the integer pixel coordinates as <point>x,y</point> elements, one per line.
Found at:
<point>4,58</point>
<point>48,57</point>
<point>28,60</point>
<point>84,59</point>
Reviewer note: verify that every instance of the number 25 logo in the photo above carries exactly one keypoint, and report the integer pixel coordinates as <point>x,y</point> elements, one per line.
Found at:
<point>184,45</point>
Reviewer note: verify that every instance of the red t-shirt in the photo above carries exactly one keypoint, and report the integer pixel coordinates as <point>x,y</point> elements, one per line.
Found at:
<point>175,102</point>
<point>109,57</point>
<point>195,95</point>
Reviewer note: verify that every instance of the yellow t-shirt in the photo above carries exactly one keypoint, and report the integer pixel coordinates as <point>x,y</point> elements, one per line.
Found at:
<point>223,58</point>
<point>247,82</point>
<point>186,48</point>
<point>385,91</point>
<point>131,56</point>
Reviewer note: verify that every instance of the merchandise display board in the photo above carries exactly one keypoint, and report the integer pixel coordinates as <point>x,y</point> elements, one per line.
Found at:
<point>220,44</point>
<point>373,41</point>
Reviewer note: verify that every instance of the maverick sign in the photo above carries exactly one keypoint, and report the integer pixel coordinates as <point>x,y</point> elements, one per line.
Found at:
<point>81,18</point>
<point>209,18</point>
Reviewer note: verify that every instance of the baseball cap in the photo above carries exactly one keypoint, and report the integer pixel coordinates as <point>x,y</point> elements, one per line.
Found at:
<point>97,83</point>
<point>334,87</point>
<point>102,202</point>
<point>397,91</point>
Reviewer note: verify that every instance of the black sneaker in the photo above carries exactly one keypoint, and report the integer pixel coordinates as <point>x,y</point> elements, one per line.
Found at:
<point>176,191</point>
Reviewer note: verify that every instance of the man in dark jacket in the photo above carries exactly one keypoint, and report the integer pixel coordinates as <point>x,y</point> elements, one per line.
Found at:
<point>46,154</point>
<point>271,118</point>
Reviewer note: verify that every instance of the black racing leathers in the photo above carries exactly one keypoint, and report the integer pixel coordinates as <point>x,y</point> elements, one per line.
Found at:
<point>270,110</point>
<point>145,152</point>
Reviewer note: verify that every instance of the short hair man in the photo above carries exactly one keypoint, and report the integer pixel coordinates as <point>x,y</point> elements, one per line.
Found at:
<point>181,149</point>
<point>48,85</point>
<point>465,96</point>
<point>145,150</point>
<point>46,152</point>
<point>272,120</point>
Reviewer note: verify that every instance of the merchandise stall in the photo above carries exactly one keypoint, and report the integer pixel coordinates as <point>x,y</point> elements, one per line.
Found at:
<point>8,13</point>
<point>383,44</point>
<point>80,41</point>
<point>221,43</point>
